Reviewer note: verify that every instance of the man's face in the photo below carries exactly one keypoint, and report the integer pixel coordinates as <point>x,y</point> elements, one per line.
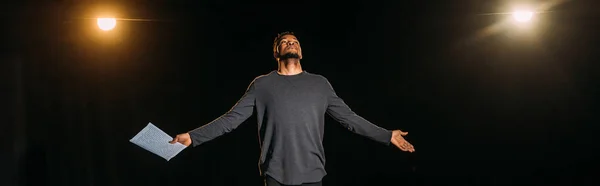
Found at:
<point>289,47</point>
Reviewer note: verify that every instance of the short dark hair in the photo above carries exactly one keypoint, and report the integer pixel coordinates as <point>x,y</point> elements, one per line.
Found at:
<point>278,39</point>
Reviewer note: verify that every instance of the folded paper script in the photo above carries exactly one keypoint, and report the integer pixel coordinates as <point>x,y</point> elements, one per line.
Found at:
<point>156,141</point>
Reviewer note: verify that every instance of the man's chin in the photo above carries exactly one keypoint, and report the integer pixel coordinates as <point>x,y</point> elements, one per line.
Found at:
<point>289,56</point>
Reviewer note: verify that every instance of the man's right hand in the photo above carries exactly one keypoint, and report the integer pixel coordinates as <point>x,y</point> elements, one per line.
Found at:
<point>183,139</point>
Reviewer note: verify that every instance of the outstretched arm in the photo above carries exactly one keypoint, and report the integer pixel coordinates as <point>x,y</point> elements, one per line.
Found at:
<point>241,111</point>
<point>340,111</point>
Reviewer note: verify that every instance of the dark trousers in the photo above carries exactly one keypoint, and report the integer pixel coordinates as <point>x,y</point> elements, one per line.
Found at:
<point>272,182</point>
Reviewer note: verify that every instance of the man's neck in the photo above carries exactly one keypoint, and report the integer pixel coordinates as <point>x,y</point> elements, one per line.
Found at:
<point>289,67</point>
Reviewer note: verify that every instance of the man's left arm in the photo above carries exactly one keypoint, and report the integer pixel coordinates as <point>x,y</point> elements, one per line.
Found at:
<point>340,111</point>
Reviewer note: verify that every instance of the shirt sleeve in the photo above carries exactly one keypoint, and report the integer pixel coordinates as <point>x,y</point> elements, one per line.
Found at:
<point>340,111</point>
<point>227,122</point>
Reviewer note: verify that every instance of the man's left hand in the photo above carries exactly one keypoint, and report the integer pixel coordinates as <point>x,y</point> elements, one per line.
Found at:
<point>400,142</point>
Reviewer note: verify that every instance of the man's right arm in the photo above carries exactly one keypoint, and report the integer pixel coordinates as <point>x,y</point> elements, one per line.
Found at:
<point>241,111</point>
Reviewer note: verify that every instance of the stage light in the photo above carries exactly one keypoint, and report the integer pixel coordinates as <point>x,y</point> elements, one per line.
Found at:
<point>523,16</point>
<point>107,24</point>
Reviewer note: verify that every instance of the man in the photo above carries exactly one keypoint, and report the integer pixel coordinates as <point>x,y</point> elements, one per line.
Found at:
<point>291,104</point>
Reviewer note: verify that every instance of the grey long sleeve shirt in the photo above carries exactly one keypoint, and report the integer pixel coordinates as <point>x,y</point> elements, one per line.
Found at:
<point>291,115</point>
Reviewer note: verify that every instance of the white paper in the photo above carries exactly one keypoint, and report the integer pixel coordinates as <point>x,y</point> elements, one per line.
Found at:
<point>156,141</point>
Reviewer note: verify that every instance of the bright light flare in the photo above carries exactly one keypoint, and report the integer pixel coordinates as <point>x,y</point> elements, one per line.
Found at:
<point>107,24</point>
<point>523,16</point>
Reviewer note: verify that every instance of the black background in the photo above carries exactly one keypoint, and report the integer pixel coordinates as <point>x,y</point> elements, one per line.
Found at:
<point>484,103</point>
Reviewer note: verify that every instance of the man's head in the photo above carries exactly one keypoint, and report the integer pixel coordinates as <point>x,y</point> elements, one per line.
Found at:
<point>286,46</point>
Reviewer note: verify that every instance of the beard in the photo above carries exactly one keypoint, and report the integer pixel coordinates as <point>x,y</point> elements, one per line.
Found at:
<point>289,56</point>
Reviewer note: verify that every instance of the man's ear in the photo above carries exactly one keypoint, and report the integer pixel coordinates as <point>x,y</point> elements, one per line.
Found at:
<point>275,55</point>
